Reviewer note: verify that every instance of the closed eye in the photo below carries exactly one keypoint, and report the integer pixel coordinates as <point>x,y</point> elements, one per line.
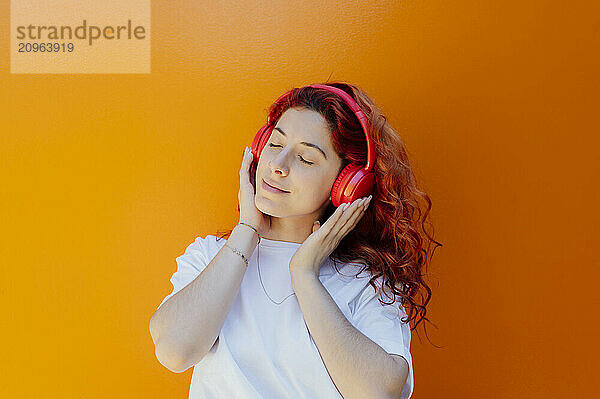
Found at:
<point>302,159</point>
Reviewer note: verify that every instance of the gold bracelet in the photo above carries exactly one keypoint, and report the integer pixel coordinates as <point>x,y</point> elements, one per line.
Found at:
<point>239,253</point>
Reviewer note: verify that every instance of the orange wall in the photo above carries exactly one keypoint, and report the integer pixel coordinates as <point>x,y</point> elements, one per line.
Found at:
<point>107,178</point>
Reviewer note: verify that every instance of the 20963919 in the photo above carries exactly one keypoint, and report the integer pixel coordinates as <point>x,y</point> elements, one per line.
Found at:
<point>55,47</point>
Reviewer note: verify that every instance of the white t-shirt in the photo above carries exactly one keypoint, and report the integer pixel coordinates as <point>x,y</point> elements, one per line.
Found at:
<point>264,350</point>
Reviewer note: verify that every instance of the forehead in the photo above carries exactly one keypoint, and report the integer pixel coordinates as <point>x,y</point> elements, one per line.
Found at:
<point>305,125</point>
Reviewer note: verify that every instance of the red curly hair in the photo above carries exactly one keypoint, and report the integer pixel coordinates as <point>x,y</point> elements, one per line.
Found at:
<point>390,238</point>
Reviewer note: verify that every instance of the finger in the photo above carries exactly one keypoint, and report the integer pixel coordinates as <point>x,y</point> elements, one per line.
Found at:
<point>333,219</point>
<point>336,221</point>
<point>351,220</point>
<point>245,166</point>
<point>353,211</point>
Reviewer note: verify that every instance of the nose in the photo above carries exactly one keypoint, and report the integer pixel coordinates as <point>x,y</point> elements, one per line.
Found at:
<point>278,165</point>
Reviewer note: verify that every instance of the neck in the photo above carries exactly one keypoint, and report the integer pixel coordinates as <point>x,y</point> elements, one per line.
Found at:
<point>290,229</point>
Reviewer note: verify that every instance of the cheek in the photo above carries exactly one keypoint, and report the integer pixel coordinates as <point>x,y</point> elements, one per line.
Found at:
<point>262,168</point>
<point>314,187</point>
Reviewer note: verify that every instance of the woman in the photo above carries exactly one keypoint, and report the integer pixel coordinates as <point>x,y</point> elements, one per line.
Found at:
<point>269,313</point>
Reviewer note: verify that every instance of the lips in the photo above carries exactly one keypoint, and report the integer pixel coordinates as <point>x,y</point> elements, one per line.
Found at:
<point>274,186</point>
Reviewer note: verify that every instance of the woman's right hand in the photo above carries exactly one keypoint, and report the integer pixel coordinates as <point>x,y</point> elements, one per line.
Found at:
<point>248,211</point>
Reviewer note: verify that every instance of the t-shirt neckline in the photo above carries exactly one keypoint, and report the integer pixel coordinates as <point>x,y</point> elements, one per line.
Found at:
<point>266,242</point>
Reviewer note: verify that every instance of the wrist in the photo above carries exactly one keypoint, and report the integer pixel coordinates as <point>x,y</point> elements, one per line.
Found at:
<point>250,226</point>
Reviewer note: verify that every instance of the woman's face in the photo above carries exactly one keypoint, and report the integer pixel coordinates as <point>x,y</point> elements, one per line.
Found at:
<point>283,163</point>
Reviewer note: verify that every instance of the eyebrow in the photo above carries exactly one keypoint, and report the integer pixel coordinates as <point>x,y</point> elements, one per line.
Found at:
<point>303,142</point>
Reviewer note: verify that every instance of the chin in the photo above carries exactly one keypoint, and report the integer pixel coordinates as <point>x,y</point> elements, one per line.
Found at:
<point>263,204</point>
<point>270,207</point>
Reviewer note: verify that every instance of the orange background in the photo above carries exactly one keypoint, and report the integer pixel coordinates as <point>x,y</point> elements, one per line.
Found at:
<point>107,178</point>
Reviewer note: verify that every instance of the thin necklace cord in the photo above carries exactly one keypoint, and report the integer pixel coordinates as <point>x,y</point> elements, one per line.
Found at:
<point>263,287</point>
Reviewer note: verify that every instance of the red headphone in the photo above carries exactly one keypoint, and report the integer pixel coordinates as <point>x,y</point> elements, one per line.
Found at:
<point>354,181</point>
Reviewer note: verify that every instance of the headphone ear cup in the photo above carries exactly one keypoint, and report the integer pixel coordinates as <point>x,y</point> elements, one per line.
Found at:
<point>260,140</point>
<point>258,143</point>
<point>339,186</point>
<point>352,183</point>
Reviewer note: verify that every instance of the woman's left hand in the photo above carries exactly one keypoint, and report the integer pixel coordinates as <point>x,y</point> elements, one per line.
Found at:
<point>325,239</point>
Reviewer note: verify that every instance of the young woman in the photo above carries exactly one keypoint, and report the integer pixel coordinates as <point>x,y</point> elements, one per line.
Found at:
<point>291,304</point>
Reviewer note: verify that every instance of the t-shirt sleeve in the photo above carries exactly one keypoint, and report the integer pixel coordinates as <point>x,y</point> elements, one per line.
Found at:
<point>382,324</point>
<point>191,263</point>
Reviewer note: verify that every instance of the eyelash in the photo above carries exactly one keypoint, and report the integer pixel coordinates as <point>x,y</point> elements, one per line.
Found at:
<point>302,159</point>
